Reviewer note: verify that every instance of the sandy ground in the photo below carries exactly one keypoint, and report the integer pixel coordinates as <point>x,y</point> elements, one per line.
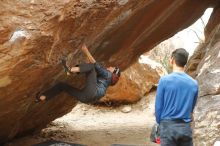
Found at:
<point>98,126</point>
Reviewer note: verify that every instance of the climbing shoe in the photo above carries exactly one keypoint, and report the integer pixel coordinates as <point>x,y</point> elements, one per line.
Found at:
<point>66,69</point>
<point>37,97</point>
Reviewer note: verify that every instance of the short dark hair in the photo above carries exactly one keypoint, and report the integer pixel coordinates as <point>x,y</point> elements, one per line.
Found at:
<point>180,56</point>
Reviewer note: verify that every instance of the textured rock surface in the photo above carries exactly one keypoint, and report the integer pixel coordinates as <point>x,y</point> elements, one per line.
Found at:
<point>35,34</point>
<point>207,113</point>
<point>203,47</point>
<point>213,21</point>
<point>205,66</point>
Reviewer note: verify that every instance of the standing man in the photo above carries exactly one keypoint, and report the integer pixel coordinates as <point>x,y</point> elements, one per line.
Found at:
<point>175,100</point>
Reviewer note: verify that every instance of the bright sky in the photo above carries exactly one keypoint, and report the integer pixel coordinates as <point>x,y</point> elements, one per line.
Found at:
<point>187,38</point>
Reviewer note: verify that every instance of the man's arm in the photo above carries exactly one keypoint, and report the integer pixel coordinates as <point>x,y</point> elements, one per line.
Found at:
<point>159,101</point>
<point>99,69</point>
<point>194,102</point>
<point>88,54</point>
<point>195,98</point>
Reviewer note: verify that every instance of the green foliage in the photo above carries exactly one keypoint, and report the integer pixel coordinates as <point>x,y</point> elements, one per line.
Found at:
<point>165,63</point>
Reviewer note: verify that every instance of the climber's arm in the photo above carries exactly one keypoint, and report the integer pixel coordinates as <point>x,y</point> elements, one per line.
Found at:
<point>88,54</point>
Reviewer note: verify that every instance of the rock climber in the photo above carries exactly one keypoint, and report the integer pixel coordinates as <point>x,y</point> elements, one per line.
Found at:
<point>98,79</point>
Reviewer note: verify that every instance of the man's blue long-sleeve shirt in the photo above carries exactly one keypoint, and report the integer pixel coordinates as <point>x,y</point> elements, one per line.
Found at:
<point>176,97</point>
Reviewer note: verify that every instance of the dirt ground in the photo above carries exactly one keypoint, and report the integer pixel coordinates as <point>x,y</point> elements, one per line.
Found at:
<point>99,126</point>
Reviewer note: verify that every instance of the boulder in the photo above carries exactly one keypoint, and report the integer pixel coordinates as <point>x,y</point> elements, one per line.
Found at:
<point>207,72</point>
<point>207,113</point>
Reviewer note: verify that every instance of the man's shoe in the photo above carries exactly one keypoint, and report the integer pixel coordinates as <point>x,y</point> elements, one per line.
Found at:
<point>66,69</point>
<point>37,97</point>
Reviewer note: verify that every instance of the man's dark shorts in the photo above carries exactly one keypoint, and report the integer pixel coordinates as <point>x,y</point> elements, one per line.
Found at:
<point>175,133</point>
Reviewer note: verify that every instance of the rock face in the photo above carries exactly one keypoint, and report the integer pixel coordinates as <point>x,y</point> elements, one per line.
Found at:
<point>207,113</point>
<point>207,72</point>
<point>35,34</point>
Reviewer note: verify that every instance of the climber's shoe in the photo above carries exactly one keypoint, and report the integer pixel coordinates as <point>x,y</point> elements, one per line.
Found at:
<point>66,68</point>
<point>37,97</point>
